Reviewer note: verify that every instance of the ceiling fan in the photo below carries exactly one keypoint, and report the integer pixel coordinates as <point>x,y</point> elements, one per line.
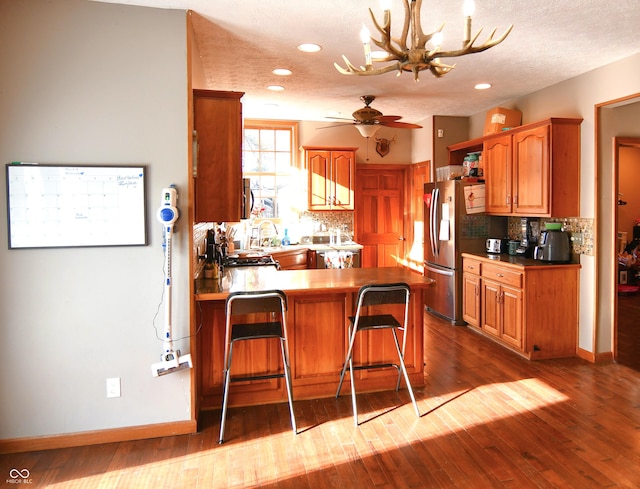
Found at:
<point>368,120</point>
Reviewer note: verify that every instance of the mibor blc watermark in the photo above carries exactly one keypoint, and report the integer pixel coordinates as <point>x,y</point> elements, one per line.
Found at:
<point>19,476</point>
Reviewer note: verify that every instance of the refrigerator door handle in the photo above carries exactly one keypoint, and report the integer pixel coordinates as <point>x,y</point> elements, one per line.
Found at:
<point>433,225</point>
<point>439,271</point>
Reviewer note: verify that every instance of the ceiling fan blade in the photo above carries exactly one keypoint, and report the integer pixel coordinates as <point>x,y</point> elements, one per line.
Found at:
<point>337,124</point>
<point>400,125</point>
<point>388,118</point>
<point>339,119</point>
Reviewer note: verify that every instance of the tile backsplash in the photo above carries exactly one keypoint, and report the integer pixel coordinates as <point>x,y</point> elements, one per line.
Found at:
<point>570,224</point>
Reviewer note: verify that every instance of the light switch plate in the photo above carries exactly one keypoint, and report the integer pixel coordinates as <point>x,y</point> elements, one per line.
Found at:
<point>113,387</point>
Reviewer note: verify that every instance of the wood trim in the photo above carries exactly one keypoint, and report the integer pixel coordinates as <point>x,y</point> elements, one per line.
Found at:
<point>586,355</point>
<point>609,281</point>
<point>97,437</point>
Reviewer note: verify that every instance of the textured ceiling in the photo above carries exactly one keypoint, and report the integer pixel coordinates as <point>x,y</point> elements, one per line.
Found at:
<point>241,42</point>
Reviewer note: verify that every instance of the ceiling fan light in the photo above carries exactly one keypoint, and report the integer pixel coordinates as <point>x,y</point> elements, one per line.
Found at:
<point>482,86</point>
<point>367,130</point>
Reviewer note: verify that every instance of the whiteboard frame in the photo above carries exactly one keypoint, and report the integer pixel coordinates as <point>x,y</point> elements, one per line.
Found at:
<point>136,236</point>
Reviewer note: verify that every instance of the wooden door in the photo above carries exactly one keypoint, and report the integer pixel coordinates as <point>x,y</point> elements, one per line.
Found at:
<point>343,174</point>
<point>379,216</point>
<point>497,174</point>
<point>414,252</point>
<point>471,298</point>
<point>511,306</point>
<point>319,167</point>
<point>218,182</point>
<point>490,310</point>
<point>531,173</point>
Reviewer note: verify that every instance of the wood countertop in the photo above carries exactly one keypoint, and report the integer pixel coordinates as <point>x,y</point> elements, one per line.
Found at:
<point>302,282</point>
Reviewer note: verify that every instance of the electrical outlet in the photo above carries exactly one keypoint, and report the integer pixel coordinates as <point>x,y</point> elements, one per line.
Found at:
<point>113,387</point>
<point>576,238</point>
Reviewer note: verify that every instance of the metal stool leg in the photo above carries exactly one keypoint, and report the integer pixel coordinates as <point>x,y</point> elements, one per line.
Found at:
<point>349,361</point>
<point>225,393</point>
<point>287,376</point>
<point>403,369</point>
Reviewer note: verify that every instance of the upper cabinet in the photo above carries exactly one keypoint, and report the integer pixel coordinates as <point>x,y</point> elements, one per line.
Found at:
<point>532,170</point>
<point>218,171</point>
<point>331,178</point>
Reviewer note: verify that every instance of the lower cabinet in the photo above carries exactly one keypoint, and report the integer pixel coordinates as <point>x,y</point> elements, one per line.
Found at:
<point>531,309</point>
<point>471,292</point>
<point>294,259</point>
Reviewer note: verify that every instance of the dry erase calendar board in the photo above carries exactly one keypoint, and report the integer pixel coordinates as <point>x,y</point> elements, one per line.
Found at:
<point>63,205</point>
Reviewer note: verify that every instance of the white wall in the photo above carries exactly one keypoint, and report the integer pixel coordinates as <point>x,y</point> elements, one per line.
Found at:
<point>331,135</point>
<point>85,82</point>
<point>578,97</point>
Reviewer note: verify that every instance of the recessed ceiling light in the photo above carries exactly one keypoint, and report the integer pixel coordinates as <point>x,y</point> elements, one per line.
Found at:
<point>275,88</point>
<point>281,72</point>
<point>482,86</point>
<point>309,48</point>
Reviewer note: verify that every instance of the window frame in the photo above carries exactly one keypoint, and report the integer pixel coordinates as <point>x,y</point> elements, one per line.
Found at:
<point>263,124</point>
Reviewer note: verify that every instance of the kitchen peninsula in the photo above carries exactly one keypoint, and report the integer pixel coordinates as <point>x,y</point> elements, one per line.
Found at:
<point>320,300</point>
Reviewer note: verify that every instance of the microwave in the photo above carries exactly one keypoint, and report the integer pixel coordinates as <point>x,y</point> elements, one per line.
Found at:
<point>247,199</point>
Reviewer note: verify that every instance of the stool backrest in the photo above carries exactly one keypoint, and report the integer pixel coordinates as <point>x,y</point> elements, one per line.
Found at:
<point>256,301</point>
<point>373,295</point>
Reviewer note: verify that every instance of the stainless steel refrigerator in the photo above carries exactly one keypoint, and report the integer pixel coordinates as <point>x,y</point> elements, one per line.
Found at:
<point>453,226</point>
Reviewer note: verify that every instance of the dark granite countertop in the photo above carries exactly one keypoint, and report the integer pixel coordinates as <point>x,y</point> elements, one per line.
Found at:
<point>518,260</point>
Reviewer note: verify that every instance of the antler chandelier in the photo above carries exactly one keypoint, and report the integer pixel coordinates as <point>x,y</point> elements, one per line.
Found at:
<point>425,52</point>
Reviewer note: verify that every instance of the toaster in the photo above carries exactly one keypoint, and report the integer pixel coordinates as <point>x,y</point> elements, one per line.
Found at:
<point>497,245</point>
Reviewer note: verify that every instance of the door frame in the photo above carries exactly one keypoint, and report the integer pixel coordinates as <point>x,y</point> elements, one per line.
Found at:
<point>618,142</point>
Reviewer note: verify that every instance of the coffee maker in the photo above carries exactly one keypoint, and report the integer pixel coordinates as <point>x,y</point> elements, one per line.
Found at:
<point>530,230</point>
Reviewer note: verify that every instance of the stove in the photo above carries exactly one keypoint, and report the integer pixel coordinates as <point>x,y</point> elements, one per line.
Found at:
<point>250,261</point>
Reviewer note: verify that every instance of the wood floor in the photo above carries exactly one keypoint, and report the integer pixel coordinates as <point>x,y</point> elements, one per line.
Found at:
<point>488,419</point>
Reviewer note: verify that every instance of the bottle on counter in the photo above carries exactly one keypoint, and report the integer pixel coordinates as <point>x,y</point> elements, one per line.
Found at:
<point>285,240</point>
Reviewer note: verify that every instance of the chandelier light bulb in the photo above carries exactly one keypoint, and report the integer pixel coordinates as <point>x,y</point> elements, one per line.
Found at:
<point>437,39</point>
<point>468,8</point>
<point>385,5</point>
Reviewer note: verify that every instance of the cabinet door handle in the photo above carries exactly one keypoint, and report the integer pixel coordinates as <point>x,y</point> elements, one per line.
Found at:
<point>515,199</point>
<point>499,275</point>
<point>508,199</point>
<point>401,238</point>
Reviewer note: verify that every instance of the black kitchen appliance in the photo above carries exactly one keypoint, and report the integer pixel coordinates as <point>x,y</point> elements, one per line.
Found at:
<point>250,261</point>
<point>529,230</point>
<point>554,247</point>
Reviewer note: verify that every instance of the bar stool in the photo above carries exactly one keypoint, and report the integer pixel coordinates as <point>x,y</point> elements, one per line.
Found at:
<point>274,303</point>
<point>376,295</point>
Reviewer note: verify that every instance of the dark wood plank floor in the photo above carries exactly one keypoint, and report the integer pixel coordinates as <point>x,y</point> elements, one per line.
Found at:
<point>489,419</point>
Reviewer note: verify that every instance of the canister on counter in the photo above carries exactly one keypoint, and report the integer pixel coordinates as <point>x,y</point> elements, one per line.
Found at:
<point>513,246</point>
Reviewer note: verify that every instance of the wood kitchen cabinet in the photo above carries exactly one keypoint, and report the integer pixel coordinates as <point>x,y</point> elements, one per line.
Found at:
<point>471,291</point>
<point>501,304</point>
<point>527,306</point>
<point>331,178</point>
<point>218,171</point>
<point>531,170</point>
<point>292,259</point>
<point>534,170</point>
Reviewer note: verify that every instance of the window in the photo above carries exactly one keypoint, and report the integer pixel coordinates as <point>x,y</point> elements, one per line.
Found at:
<point>269,160</point>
